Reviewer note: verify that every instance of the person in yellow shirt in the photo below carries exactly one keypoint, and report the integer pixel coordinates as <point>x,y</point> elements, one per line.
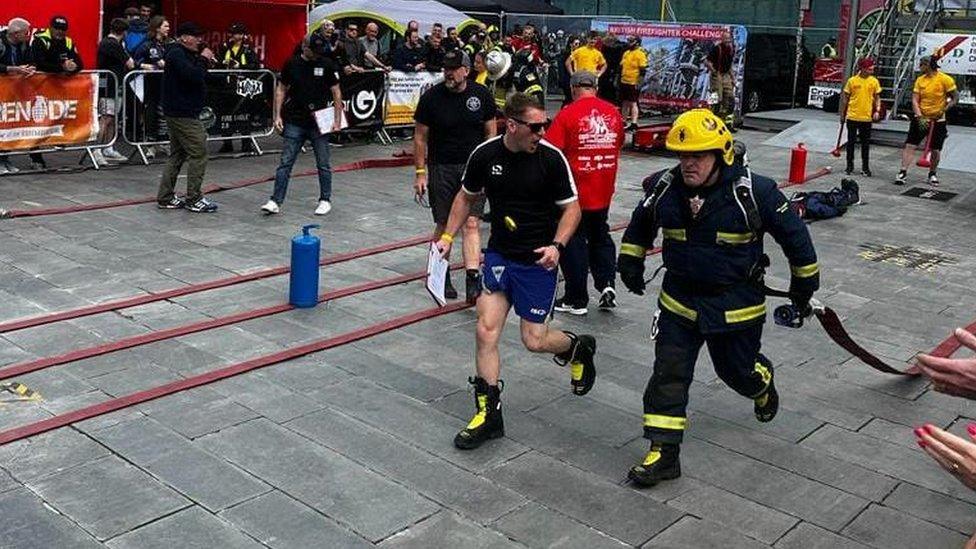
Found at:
<point>587,58</point>
<point>934,93</point>
<point>633,65</point>
<point>860,105</point>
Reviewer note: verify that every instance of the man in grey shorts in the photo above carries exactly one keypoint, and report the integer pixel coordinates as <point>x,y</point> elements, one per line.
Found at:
<point>452,119</point>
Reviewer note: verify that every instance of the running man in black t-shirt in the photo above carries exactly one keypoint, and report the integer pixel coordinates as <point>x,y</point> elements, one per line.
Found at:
<point>452,118</point>
<point>534,211</point>
<point>309,81</point>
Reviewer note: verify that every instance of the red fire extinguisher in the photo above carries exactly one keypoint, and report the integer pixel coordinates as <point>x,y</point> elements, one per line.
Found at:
<point>798,164</point>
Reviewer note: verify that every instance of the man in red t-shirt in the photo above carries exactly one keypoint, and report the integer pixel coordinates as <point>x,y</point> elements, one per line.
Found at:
<point>590,132</point>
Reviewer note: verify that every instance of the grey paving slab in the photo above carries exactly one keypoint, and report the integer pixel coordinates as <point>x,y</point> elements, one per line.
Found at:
<point>387,373</point>
<point>31,459</point>
<point>615,510</point>
<point>934,507</point>
<point>190,528</point>
<point>52,339</point>
<point>693,533</point>
<point>439,480</point>
<point>447,530</point>
<point>7,482</point>
<point>892,459</point>
<point>137,376</point>
<point>28,522</point>
<point>812,464</point>
<point>270,400</point>
<point>367,502</point>
<point>881,526</point>
<point>806,499</point>
<point>536,526</point>
<point>598,421</point>
<point>413,421</point>
<point>205,479</point>
<point>281,522</point>
<point>734,513</point>
<point>808,536</point>
<point>108,497</point>
<point>197,412</point>
<point>789,425</point>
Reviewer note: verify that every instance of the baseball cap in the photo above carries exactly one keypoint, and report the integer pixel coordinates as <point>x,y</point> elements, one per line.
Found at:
<point>583,79</point>
<point>865,63</point>
<point>318,44</point>
<point>59,22</point>
<point>189,28</point>
<point>455,59</point>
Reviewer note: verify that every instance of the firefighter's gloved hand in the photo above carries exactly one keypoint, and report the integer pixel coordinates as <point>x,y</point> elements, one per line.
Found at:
<point>802,303</point>
<point>631,271</point>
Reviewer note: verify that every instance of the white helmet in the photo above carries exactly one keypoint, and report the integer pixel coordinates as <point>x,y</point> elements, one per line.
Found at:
<point>497,62</point>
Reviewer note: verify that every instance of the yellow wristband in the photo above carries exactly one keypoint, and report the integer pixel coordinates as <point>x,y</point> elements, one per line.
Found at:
<point>448,237</point>
<point>421,171</point>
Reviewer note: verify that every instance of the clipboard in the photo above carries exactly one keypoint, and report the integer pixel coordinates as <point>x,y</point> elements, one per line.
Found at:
<point>437,269</point>
<point>324,118</point>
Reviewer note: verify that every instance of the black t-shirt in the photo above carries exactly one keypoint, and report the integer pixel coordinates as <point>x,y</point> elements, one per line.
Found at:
<point>456,121</point>
<point>527,188</point>
<point>309,85</point>
<point>112,57</point>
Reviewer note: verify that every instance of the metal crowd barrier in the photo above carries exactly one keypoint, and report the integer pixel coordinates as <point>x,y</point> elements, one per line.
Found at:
<point>239,105</point>
<point>89,146</point>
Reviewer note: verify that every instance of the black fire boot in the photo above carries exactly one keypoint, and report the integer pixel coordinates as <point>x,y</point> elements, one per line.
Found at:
<point>579,356</point>
<point>449,291</point>
<point>660,463</point>
<point>766,404</point>
<point>472,285</point>
<point>487,422</point>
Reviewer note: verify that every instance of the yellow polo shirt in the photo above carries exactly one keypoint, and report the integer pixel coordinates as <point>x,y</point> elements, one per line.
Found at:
<point>630,66</point>
<point>860,97</point>
<point>932,91</point>
<point>586,58</point>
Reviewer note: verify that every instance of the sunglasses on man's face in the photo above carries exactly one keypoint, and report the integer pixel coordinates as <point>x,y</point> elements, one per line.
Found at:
<point>534,127</point>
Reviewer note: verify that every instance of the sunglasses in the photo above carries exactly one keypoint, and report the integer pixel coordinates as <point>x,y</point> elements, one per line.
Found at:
<point>534,127</point>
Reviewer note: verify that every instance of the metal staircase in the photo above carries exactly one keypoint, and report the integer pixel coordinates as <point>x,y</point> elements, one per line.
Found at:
<point>891,43</point>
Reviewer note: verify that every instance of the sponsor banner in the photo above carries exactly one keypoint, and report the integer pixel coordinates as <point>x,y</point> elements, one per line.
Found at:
<point>364,94</point>
<point>46,110</point>
<point>817,94</point>
<point>403,93</point>
<point>956,52</point>
<point>677,78</point>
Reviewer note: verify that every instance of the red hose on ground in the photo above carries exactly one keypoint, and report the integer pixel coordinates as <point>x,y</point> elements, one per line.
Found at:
<point>358,165</point>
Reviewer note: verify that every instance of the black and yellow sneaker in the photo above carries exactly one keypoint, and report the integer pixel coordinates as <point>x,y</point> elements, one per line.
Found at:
<point>579,356</point>
<point>767,404</point>
<point>487,422</point>
<point>660,463</point>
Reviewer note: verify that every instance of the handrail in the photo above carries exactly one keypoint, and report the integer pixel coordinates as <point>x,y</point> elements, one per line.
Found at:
<point>906,60</point>
<point>874,38</point>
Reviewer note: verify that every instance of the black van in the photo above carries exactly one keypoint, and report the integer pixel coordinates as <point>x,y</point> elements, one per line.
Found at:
<point>770,59</point>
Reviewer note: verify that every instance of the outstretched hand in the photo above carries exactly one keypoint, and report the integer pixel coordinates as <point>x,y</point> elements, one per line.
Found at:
<point>956,455</point>
<point>952,376</point>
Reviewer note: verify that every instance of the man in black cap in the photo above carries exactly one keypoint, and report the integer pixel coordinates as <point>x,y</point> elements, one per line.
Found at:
<point>452,119</point>
<point>184,90</point>
<point>308,82</point>
<point>53,50</point>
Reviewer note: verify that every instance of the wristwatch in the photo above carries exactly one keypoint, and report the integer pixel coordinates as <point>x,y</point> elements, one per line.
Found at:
<point>560,247</point>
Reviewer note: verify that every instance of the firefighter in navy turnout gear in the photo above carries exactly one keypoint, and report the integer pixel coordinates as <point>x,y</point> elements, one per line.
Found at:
<point>712,213</point>
<point>526,77</point>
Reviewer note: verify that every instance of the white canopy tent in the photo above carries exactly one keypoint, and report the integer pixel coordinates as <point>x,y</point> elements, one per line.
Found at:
<point>392,13</point>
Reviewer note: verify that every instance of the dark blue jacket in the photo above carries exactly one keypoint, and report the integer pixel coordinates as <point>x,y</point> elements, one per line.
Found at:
<point>184,83</point>
<point>712,258</point>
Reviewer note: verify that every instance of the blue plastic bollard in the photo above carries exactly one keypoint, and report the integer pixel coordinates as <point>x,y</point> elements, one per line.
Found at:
<point>304,289</point>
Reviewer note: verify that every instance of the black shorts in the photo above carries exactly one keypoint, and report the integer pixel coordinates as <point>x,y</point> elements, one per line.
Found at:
<point>916,136</point>
<point>443,184</point>
<point>629,93</point>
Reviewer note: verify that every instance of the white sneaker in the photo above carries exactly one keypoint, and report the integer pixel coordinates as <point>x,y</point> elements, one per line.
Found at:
<point>111,154</point>
<point>324,207</point>
<point>99,157</point>
<point>270,207</point>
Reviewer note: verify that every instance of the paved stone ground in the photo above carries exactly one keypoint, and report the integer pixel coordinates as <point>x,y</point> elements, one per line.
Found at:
<point>351,447</point>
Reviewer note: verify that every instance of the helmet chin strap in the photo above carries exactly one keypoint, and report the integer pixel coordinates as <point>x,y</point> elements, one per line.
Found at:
<point>715,168</point>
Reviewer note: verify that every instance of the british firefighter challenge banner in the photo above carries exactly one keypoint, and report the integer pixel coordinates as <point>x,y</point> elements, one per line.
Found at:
<point>677,78</point>
<point>403,94</point>
<point>45,110</point>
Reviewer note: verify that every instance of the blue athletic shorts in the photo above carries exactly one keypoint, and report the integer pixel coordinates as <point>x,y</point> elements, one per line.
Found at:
<point>530,288</point>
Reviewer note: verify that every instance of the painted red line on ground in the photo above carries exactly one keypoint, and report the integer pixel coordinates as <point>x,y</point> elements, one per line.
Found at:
<point>195,288</point>
<point>186,329</point>
<point>351,166</point>
<point>112,405</point>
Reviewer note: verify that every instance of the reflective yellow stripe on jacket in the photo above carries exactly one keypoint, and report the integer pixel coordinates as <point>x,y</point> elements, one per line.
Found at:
<point>665,422</point>
<point>745,314</point>
<point>805,271</point>
<point>677,308</point>
<point>734,238</point>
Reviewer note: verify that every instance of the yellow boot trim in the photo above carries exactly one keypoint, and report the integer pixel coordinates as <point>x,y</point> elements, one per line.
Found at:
<point>767,377</point>
<point>677,308</point>
<point>665,422</point>
<point>479,418</point>
<point>745,314</point>
<point>651,457</point>
<point>761,401</point>
<point>576,370</point>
